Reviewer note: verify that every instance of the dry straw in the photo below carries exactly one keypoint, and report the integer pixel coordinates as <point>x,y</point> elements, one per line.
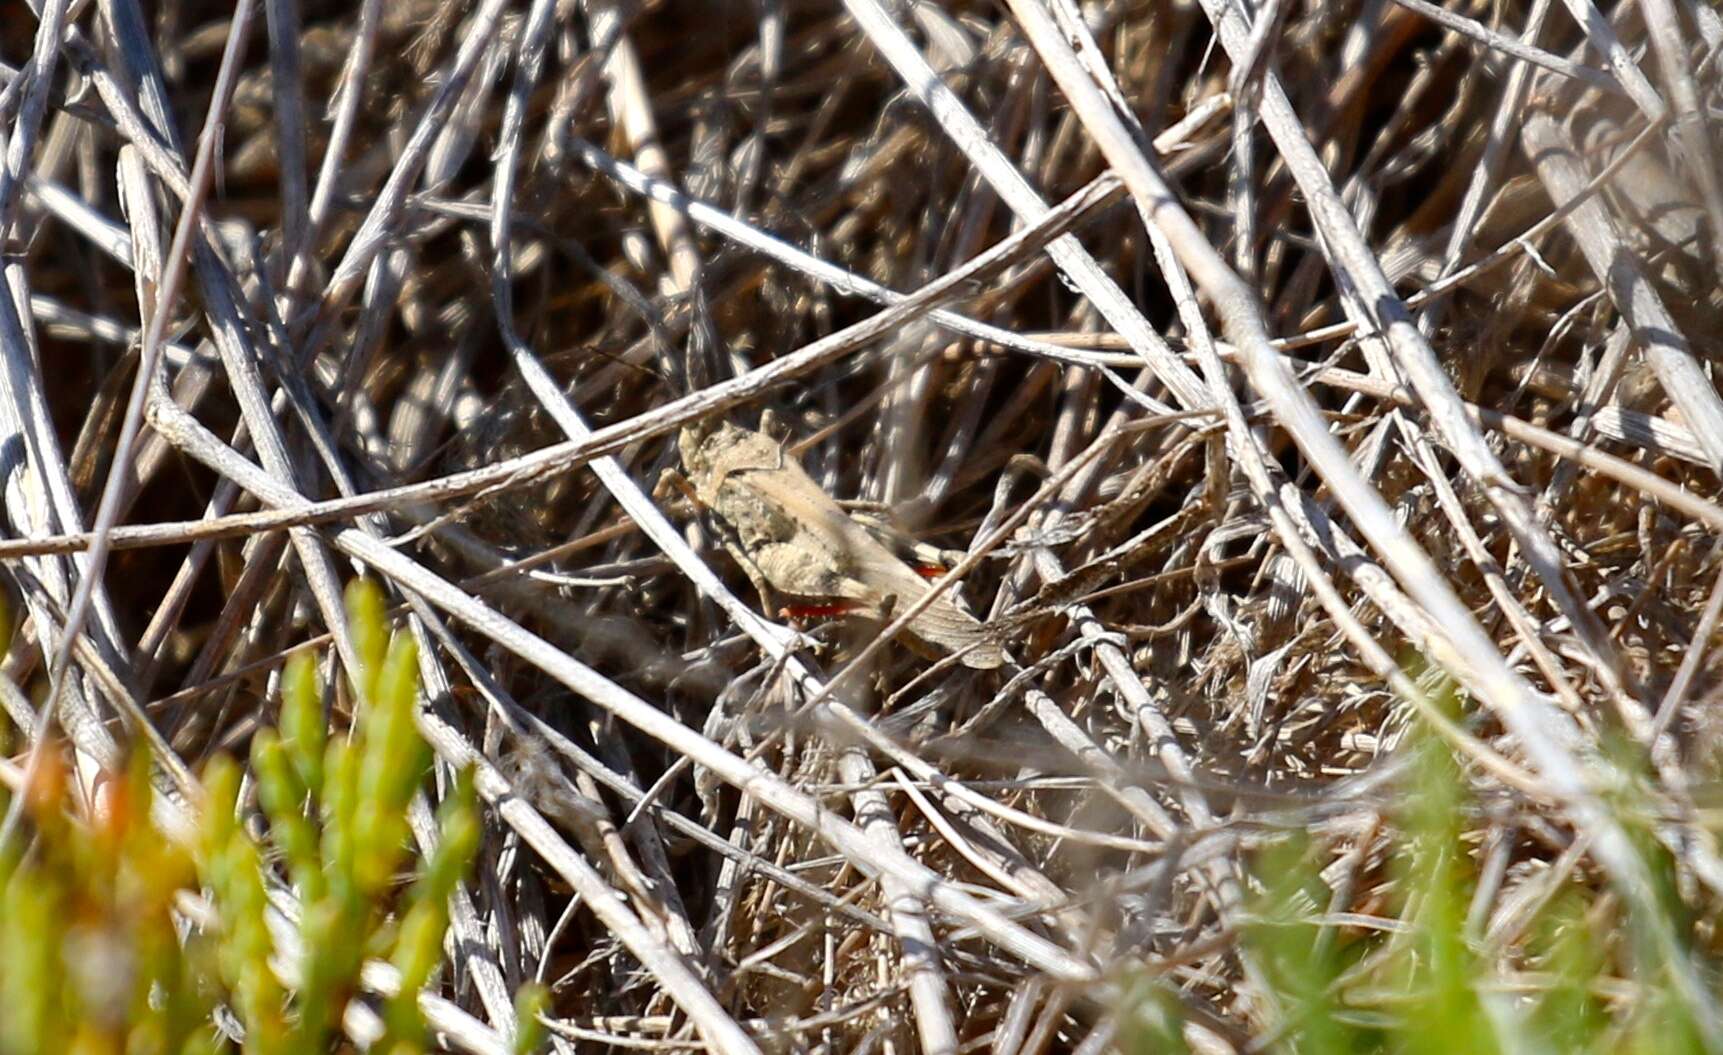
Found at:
<point>1279,382</point>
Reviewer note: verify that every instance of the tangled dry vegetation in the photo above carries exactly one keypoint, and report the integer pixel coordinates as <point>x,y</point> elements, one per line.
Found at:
<point>1283,387</point>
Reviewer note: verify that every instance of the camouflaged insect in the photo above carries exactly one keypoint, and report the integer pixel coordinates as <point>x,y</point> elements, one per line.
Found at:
<point>792,538</point>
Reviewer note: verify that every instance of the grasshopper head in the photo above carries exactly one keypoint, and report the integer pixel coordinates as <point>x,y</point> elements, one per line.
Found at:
<point>691,442</point>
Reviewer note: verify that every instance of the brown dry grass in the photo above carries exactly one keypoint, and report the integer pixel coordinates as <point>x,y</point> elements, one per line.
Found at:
<point>1216,622</point>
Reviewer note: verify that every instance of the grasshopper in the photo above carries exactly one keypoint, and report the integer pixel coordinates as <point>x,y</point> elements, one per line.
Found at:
<point>792,538</point>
